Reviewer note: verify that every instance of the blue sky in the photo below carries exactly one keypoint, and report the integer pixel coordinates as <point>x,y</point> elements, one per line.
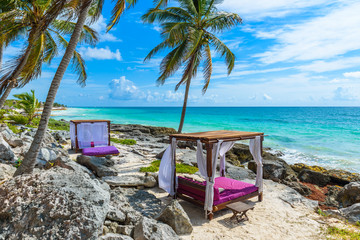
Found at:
<point>289,53</point>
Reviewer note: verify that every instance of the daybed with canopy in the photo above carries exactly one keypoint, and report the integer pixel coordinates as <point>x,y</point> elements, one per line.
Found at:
<point>92,137</point>
<point>214,193</point>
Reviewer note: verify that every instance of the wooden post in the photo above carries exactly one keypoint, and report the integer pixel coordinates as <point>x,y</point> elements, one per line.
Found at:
<point>260,198</point>
<point>209,148</point>
<point>174,169</point>
<point>108,133</point>
<point>76,138</point>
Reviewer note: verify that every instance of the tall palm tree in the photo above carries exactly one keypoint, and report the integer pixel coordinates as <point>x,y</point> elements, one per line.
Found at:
<point>29,103</point>
<point>189,31</point>
<point>38,26</point>
<point>28,164</point>
<point>45,47</point>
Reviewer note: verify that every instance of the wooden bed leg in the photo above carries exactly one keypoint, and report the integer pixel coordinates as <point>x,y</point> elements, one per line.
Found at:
<point>210,216</point>
<point>260,197</point>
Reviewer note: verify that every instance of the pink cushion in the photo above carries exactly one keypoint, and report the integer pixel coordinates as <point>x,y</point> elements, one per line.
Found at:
<point>95,151</point>
<point>233,189</point>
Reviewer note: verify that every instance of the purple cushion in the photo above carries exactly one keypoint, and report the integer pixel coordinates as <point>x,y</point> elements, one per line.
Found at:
<point>95,151</point>
<point>233,189</point>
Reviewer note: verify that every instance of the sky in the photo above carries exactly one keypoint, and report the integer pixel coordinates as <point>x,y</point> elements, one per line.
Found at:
<point>288,53</point>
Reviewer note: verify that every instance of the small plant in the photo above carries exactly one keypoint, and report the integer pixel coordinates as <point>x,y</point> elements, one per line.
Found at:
<point>2,113</point>
<point>19,119</point>
<point>18,163</point>
<point>29,103</point>
<point>123,141</point>
<point>180,168</point>
<point>320,212</point>
<point>357,224</point>
<point>343,233</point>
<point>13,128</point>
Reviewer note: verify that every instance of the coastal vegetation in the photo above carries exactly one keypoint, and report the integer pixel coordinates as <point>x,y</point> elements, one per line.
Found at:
<point>191,33</point>
<point>123,141</point>
<point>29,103</point>
<point>180,168</point>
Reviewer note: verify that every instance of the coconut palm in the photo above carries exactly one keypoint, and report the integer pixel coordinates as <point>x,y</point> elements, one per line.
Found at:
<point>45,48</point>
<point>189,31</point>
<point>37,27</point>
<point>95,6</point>
<point>29,103</point>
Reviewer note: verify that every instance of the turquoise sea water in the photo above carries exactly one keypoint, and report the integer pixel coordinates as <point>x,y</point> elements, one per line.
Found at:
<point>325,136</point>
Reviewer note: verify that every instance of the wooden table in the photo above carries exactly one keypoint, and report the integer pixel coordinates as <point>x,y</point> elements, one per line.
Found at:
<point>239,210</point>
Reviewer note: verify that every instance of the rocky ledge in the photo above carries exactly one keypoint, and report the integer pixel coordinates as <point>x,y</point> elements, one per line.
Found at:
<point>71,196</point>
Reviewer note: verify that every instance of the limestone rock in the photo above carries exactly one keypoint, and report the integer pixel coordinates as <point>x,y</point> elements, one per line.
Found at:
<point>6,153</point>
<point>130,180</point>
<point>352,213</point>
<point>55,204</point>
<point>350,194</point>
<point>115,236</point>
<point>150,229</point>
<point>45,155</point>
<point>116,214</point>
<point>6,171</point>
<point>175,216</point>
<point>318,178</point>
<point>275,170</point>
<point>99,165</point>
<point>61,136</point>
<point>239,173</point>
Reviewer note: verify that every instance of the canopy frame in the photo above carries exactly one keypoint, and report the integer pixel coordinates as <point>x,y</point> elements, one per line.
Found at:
<point>209,138</point>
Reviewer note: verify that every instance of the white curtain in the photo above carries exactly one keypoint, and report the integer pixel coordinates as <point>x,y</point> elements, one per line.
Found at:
<point>167,169</point>
<point>224,148</point>
<point>84,135</point>
<point>210,181</point>
<point>100,135</point>
<point>72,134</point>
<point>255,149</point>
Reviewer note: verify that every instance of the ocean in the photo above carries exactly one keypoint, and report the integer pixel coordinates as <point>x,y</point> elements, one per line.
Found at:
<point>324,136</point>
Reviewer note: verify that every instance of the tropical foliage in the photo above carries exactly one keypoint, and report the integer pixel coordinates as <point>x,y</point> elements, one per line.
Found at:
<point>25,17</point>
<point>190,33</point>
<point>29,103</point>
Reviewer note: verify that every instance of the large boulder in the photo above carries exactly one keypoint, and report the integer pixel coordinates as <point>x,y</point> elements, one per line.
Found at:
<point>175,216</point>
<point>318,178</point>
<point>239,173</point>
<point>45,155</point>
<point>6,171</point>
<point>349,194</point>
<point>352,213</point>
<point>6,153</point>
<point>115,236</point>
<point>130,181</point>
<point>99,165</point>
<point>55,204</point>
<point>150,229</point>
<point>275,170</point>
<point>61,136</point>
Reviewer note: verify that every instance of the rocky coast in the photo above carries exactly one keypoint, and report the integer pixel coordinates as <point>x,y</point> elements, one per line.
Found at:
<point>70,196</point>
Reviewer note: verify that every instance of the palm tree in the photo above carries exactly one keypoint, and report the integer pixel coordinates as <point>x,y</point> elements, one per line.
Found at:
<point>190,32</point>
<point>28,164</point>
<point>37,27</point>
<point>29,103</point>
<point>45,47</point>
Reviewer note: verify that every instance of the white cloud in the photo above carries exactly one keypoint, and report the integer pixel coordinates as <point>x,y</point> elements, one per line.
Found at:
<point>343,94</point>
<point>123,89</point>
<point>352,74</point>
<point>171,96</point>
<point>259,9</point>
<point>100,27</point>
<point>99,53</point>
<point>323,37</point>
<point>325,66</point>
<point>266,97</point>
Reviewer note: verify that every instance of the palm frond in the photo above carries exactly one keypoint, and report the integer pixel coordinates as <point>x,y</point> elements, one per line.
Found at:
<point>208,67</point>
<point>221,48</point>
<point>118,10</point>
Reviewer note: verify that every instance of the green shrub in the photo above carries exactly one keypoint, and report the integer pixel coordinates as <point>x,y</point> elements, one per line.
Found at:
<point>18,163</point>
<point>2,113</point>
<point>180,168</point>
<point>19,119</point>
<point>343,233</point>
<point>53,124</point>
<point>123,141</point>
<point>13,128</point>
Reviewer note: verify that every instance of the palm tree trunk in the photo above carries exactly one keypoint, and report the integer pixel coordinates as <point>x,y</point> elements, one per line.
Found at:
<point>6,93</point>
<point>28,164</point>
<point>182,119</point>
<point>1,55</point>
